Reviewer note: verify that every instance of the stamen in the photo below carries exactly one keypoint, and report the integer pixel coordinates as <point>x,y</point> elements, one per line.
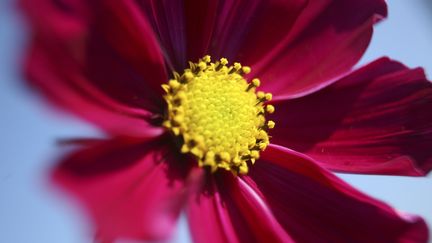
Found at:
<point>270,109</point>
<point>254,84</point>
<point>217,116</point>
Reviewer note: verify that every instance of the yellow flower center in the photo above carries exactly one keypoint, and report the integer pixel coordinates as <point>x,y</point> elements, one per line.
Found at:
<point>217,115</point>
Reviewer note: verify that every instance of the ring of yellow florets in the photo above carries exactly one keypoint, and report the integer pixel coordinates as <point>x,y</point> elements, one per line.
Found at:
<point>218,116</point>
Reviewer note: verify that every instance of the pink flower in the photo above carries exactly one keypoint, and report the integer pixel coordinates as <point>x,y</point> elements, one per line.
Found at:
<point>105,61</point>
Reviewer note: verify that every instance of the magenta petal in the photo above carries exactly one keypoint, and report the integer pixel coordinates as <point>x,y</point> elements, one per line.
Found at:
<point>227,210</point>
<point>327,39</point>
<point>210,219</point>
<point>200,17</point>
<point>109,44</point>
<point>315,206</point>
<point>167,21</point>
<point>121,26</point>
<point>61,80</point>
<point>375,120</point>
<point>246,30</point>
<point>129,187</point>
<point>184,28</point>
<point>188,30</point>
<point>53,19</point>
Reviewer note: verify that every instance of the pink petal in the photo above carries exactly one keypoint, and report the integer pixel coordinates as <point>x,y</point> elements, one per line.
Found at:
<point>268,26</point>
<point>227,210</point>
<point>188,30</point>
<point>200,20</point>
<point>62,81</point>
<point>327,39</point>
<point>52,18</point>
<point>132,189</point>
<point>375,120</point>
<point>210,219</point>
<point>110,44</point>
<point>313,205</point>
<point>167,21</point>
<point>246,30</point>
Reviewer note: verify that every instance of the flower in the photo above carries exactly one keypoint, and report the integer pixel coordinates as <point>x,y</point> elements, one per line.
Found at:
<point>107,60</point>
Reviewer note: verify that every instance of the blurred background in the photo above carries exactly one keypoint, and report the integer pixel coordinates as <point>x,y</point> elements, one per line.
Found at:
<point>31,211</point>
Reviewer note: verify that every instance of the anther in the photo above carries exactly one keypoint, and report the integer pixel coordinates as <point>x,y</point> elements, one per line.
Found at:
<point>178,119</point>
<point>263,97</point>
<point>270,124</point>
<point>253,84</point>
<point>224,61</point>
<point>221,64</point>
<point>209,158</point>
<point>254,154</point>
<point>174,84</point>
<point>262,146</point>
<point>206,58</point>
<point>175,130</point>
<point>268,96</point>
<point>235,68</point>
<point>270,109</point>
<point>202,65</point>
<point>225,156</point>
<point>243,169</point>
<point>187,76</point>
<point>181,95</point>
<point>245,70</point>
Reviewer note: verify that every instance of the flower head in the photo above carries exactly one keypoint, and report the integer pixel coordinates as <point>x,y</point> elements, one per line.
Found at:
<point>244,147</point>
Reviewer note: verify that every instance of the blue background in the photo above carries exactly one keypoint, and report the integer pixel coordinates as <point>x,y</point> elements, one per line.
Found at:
<point>31,211</point>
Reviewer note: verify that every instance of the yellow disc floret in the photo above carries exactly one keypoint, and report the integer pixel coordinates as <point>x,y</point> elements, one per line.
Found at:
<point>217,115</point>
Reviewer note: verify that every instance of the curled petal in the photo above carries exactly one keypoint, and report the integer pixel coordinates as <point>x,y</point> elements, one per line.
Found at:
<point>227,210</point>
<point>313,205</point>
<point>324,43</point>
